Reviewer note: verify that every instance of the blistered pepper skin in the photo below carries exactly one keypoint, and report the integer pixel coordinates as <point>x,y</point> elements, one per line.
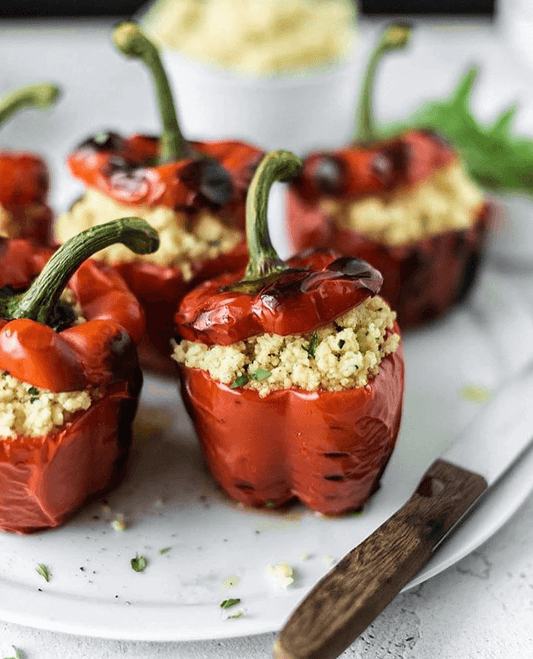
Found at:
<point>318,287</point>
<point>119,167</point>
<point>328,449</point>
<point>24,182</point>
<point>44,479</point>
<point>422,279</point>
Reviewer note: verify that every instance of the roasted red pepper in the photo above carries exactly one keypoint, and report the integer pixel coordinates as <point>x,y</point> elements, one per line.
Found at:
<point>24,179</point>
<point>327,448</point>
<point>44,478</point>
<point>186,177</point>
<point>422,277</point>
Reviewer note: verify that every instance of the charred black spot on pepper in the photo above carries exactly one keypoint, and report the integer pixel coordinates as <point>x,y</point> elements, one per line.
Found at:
<point>126,176</point>
<point>354,268</point>
<point>246,487</point>
<point>397,156</point>
<point>329,175</point>
<point>63,316</point>
<point>336,454</point>
<point>212,181</point>
<point>284,287</point>
<point>104,141</point>
<point>383,167</point>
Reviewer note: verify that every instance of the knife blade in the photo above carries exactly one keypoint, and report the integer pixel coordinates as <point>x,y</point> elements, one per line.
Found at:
<point>366,580</point>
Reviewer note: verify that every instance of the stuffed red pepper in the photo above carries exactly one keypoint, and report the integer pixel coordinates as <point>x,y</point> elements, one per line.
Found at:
<point>404,204</point>
<point>24,178</point>
<point>193,194</point>
<point>293,373</point>
<point>69,373</point>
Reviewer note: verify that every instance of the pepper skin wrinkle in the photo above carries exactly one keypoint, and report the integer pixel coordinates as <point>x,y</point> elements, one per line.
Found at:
<point>44,479</point>
<point>423,277</point>
<point>326,448</point>
<point>167,171</point>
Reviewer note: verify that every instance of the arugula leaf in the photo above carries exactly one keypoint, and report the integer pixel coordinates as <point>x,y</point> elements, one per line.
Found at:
<point>494,156</point>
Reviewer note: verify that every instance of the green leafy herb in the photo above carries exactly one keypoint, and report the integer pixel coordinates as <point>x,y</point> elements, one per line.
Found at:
<point>18,653</point>
<point>165,550</point>
<point>229,602</point>
<point>261,374</point>
<point>239,381</point>
<point>138,563</point>
<point>495,157</point>
<point>311,350</point>
<point>34,394</point>
<point>44,571</point>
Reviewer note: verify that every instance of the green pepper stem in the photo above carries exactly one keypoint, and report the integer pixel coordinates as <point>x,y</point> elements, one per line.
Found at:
<point>39,301</point>
<point>264,262</point>
<point>132,42</point>
<point>393,37</point>
<point>42,96</point>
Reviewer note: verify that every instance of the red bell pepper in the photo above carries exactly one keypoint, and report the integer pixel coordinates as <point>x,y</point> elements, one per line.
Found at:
<point>422,278</point>
<point>327,448</point>
<point>44,478</point>
<point>24,178</point>
<point>185,177</point>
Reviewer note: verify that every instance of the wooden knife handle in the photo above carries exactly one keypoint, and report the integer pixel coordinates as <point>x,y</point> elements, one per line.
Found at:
<point>366,580</point>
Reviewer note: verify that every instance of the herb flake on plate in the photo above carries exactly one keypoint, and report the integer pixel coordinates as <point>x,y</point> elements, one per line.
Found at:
<point>44,571</point>
<point>138,563</point>
<point>18,653</point>
<point>232,601</point>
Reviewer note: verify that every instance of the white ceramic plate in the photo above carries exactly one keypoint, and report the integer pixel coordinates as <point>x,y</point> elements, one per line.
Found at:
<point>170,502</point>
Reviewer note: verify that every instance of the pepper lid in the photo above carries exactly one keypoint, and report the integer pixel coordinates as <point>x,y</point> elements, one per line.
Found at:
<point>308,291</point>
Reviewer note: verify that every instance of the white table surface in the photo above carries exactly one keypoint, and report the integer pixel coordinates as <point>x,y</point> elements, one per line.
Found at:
<point>481,607</point>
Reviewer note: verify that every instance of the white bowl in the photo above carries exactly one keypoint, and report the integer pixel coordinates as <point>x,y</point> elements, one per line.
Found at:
<point>296,112</point>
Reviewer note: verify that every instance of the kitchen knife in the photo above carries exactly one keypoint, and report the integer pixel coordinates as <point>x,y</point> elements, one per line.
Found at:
<point>366,580</point>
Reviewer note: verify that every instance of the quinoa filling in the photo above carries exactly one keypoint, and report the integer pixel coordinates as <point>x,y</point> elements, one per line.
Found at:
<point>344,354</point>
<point>447,201</point>
<point>180,244</point>
<point>29,411</point>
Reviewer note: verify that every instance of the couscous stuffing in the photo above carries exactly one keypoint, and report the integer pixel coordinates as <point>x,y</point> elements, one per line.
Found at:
<point>447,201</point>
<point>29,411</point>
<point>207,238</point>
<point>342,355</point>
